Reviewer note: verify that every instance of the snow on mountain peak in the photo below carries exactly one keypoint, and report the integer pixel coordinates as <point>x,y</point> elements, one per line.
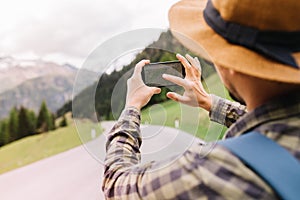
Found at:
<point>9,62</point>
<point>14,72</point>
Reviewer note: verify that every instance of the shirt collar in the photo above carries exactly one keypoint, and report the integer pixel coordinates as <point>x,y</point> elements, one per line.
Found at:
<point>278,108</point>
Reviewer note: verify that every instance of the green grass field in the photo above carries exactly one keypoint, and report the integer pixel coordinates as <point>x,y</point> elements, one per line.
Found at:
<point>192,120</point>
<point>37,147</point>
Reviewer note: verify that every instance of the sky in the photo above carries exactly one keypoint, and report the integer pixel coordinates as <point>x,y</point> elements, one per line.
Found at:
<point>66,31</point>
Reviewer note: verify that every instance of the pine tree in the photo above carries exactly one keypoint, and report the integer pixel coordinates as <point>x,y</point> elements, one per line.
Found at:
<point>24,123</point>
<point>43,120</point>
<point>63,122</point>
<point>52,122</point>
<point>3,139</point>
<point>1,135</point>
<point>4,134</point>
<point>32,120</point>
<point>13,124</point>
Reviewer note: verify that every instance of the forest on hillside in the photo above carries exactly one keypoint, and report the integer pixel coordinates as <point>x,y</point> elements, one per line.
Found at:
<point>23,122</point>
<point>109,107</point>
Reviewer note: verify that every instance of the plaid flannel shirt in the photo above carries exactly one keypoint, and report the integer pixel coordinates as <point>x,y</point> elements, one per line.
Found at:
<point>219,175</point>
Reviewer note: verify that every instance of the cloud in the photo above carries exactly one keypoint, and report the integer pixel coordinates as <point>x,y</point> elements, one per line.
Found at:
<point>71,29</point>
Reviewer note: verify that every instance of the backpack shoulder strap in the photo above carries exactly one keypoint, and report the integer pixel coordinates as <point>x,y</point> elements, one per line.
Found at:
<point>270,161</point>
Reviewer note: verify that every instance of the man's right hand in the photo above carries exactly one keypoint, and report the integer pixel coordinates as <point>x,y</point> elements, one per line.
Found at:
<point>194,94</point>
<point>139,94</point>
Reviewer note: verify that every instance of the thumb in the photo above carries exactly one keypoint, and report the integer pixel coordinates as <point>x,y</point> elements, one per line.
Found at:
<point>156,90</point>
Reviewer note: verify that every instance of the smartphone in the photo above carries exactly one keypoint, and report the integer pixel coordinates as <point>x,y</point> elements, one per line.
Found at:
<point>152,73</point>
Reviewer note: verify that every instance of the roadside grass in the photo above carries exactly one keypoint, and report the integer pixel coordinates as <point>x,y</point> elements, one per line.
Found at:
<point>33,148</point>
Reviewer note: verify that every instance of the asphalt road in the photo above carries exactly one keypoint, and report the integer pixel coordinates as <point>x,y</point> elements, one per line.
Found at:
<point>76,174</point>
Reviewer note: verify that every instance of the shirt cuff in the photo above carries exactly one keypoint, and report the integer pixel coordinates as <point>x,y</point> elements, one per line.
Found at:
<point>131,113</point>
<point>225,112</point>
<point>218,109</point>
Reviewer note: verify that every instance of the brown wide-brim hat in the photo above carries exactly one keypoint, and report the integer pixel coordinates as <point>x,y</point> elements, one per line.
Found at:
<point>188,25</point>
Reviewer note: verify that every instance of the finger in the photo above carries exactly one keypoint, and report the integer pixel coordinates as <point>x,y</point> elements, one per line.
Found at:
<point>191,60</point>
<point>185,64</point>
<point>175,79</point>
<point>139,66</point>
<point>195,62</point>
<point>198,64</point>
<point>176,97</point>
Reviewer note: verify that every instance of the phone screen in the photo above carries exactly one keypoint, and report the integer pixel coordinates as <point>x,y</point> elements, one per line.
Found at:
<point>152,73</point>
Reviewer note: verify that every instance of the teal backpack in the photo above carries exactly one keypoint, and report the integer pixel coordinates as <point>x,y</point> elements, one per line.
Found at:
<point>271,162</point>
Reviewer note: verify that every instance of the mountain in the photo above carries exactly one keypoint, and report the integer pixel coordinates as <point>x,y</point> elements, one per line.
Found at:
<point>54,89</point>
<point>29,82</point>
<point>13,72</point>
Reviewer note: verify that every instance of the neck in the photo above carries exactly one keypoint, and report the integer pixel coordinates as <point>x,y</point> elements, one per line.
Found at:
<point>260,91</point>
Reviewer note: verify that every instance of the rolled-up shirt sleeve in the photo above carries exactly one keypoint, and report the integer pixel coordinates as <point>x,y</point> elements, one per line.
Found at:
<point>225,112</point>
<point>122,154</point>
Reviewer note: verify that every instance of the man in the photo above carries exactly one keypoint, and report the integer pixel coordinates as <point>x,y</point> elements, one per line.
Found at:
<point>255,48</point>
